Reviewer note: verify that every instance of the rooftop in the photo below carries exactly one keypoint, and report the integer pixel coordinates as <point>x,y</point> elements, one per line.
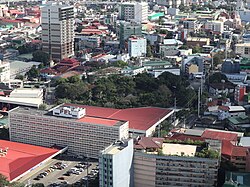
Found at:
<point>17,158</point>
<point>245,141</point>
<point>117,147</point>
<point>139,118</point>
<point>178,149</point>
<point>218,135</point>
<point>156,63</point>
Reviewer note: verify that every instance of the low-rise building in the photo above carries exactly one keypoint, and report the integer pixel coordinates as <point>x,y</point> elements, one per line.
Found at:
<point>216,27</point>
<point>196,41</point>
<point>132,70</point>
<point>137,46</point>
<point>66,125</point>
<point>243,49</point>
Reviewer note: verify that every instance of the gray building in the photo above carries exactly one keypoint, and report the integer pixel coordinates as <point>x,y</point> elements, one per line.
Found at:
<point>66,126</point>
<point>127,29</point>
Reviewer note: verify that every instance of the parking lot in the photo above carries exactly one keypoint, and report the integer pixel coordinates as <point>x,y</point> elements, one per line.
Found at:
<point>60,172</point>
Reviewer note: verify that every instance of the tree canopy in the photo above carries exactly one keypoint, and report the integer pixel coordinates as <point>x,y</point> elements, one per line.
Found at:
<point>124,92</point>
<point>41,56</point>
<point>217,77</point>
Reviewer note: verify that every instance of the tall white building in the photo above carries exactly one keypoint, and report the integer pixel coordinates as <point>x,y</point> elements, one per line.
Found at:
<point>4,71</point>
<point>58,30</point>
<point>137,46</point>
<point>135,11</point>
<point>66,126</point>
<point>115,165</point>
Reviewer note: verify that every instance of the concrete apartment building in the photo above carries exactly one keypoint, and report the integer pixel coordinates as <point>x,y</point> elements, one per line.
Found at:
<point>159,164</point>
<point>66,126</point>
<point>58,30</point>
<point>137,46</point>
<point>127,29</point>
<point>4,71</point>
<point>243,49</point>
<point>115,165</point>
<point>216,27</point>
<point>134,11</point>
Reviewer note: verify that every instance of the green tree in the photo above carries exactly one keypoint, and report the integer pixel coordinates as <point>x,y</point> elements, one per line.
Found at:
<point>185,47</point>
<point>197,49</point>
<point>217,77</point>
<point>74,79</point>
<point>42,107</point>
<point>4,134</point>
<point>21,77</point>
<point>41,56</point>
<point>3,181</point>
<point>33,72</point>
<point>149,51</point>
<point>218,58</point>
<point>119,63</point>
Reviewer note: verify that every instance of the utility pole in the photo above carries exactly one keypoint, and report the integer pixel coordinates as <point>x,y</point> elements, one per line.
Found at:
<point>212,62</point>
<point>199,101</point>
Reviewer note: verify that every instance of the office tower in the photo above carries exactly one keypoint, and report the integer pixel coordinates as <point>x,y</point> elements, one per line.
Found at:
<point>58,30</point>
<point>135,11</point>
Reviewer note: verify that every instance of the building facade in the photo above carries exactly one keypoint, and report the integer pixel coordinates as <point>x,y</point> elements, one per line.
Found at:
<point>243,49</point>
<point>115,165</point>
<point>135,11</point>
<point>66,126</point>
<point>4,71</point>
<point>137,46</point>
<point>151,170</point>
<point>58,30</point>
<point>126,30</point>
<point>216,27</point>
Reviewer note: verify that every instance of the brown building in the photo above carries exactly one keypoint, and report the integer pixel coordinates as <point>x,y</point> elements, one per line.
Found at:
<point>58,30</point>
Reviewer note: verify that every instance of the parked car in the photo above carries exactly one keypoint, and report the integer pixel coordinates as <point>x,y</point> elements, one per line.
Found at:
<point>61,178</point>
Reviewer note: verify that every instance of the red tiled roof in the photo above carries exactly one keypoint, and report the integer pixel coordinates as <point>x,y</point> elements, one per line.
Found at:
<point>102,121</point>
<point>49,71</point>
<point>149,142</point>
<point>10,20</point>
<point>226,147</point>
<point>217,135</point>
<point>231,150</point>
<point>139,118</point>
<point>21,157</point>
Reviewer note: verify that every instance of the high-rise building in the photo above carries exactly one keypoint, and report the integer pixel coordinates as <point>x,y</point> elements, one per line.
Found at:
<point>137,46</point>
<point>135,11</point>
<point>58,30</point>
<point>126,30</point>
<point>66,126</point>
<point>115,165</point>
